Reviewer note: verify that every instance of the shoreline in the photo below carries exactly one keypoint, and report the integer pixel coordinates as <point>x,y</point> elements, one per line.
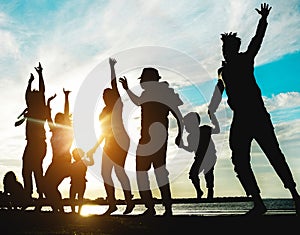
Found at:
<point>28,222</point>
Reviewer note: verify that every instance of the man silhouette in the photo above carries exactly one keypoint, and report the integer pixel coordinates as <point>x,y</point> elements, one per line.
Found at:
<point>35,150</point>
<point>156,101</point>
<point>251,121</point>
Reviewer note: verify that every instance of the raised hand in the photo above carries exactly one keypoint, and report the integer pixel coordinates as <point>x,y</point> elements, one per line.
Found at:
<point>50,98</point>
<point>39,69</point>
<point>31,78</point>
<point>66,92</point>
<point>123,81</point>
<point>264,10</point>
<point>112,62</point>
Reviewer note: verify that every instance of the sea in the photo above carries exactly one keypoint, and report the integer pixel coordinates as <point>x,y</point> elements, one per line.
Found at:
<point>274,206</point>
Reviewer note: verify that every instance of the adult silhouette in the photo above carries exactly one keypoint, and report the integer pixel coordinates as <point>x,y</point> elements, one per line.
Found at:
<point>116,145</point>
<point>156,101</point>
<point>35,151</point>
<point>251,121</point>
<point>61,142</point>
<point>200,142</point>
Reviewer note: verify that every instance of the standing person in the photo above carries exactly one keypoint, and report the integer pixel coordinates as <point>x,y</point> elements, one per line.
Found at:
<point>78,176</point>
<point>251,121</point>
<point>199,141</point>
<point>35,151</point>
<point>61,142</point>
<point>116,145</point>
<point>156,101</point>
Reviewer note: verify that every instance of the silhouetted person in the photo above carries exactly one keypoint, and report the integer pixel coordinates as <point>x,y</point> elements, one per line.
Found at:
<point>78,177</point>
<point>36,147</point>
<point>200,142</point>
<point>61,142</point>
<point>156,101</point>
<point>251,121</point>
<point>116,145</point>
<point>14,192</point>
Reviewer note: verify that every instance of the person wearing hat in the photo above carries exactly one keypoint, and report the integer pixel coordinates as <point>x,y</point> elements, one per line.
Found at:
<point>156,101</point>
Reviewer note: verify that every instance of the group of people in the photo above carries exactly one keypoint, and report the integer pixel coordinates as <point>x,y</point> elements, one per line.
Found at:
<point>251,121</point>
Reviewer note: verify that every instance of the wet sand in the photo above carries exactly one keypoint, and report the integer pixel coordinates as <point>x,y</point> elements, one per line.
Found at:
<point>29,222</point>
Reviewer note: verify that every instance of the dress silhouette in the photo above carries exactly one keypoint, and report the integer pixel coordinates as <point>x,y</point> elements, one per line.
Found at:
<point>61,142</point>
<point>35,151</point>
<point>116,145</point>
<point>156,102</point>
<point>78,177</point>
<point>199,141</point>
<point>251,121</point>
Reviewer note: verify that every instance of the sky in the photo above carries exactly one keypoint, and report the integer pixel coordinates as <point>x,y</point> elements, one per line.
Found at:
<point>74,39</point>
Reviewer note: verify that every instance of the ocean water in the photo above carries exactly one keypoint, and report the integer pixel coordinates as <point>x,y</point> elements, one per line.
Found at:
<point>274,206</point>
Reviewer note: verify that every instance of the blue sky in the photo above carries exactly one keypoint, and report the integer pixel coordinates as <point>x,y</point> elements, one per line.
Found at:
<point>73,40</point>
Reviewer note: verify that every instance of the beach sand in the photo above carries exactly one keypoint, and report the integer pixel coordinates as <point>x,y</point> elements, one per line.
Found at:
<point>29,222</point>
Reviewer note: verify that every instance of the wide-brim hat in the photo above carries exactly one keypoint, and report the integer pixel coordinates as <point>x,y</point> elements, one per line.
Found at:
<point>149,74</point>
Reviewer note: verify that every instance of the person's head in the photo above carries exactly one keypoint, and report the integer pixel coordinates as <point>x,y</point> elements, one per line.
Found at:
<point>149,74</point>
<point>231,45</point>
<point>9,178</point>
<point>109,97</point>
<point>77,154</point>
<point>191,121</point>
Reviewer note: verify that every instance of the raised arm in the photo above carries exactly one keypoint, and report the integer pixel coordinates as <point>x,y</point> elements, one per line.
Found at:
<point>134,98</point>
<point>28,89</point>
<point>112,63</point>
<point>256,41</point>
<point>39,70</point>
<point>217,94</point>
<point>49,118</point>
<point>67,105</point>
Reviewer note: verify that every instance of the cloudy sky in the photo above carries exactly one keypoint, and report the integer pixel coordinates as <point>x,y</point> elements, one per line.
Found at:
<point>74,39</point>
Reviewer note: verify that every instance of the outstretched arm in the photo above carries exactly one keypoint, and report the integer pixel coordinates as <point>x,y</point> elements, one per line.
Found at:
<point>256,41</point>
<point>92,151</point>
<point>134,98</point>
<point>214,120</point>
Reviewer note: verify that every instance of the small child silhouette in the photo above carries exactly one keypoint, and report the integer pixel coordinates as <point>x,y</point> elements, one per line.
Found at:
<point>78,176</point>
<point>14,192</point>
<point>200,142</point>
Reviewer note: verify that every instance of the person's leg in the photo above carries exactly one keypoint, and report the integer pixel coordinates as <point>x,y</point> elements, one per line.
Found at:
<point>38,166</point>
<point>80,192</point>
<point>143,164</point>
<point>72,196</point>
<point>162,179</point>
<point>106,171</point>
<point>125,183</point>
<point>27,170</point>
<point>194,177</point>
<point>240,139</point>
<point>268,142</point>
<point>209,178</point>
